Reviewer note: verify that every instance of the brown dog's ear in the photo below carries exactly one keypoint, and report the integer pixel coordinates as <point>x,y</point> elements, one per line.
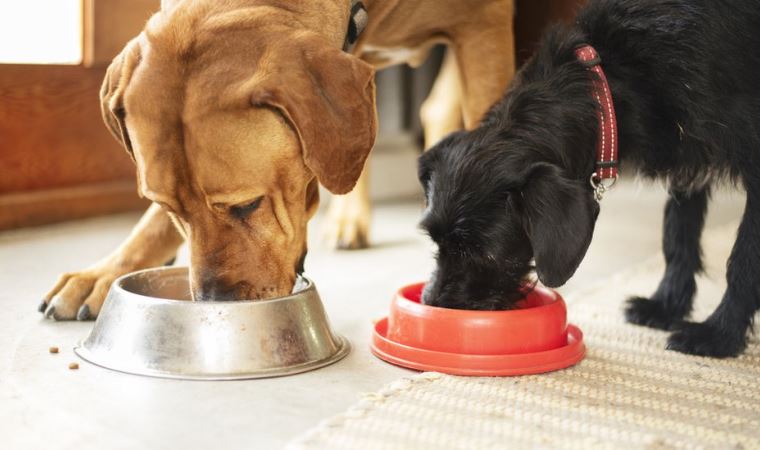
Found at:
<point>329,98</point>
<point>112,92</point>
<point>560,222</point>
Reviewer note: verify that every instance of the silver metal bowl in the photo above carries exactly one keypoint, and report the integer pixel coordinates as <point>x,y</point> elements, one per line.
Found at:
<point>150,326</point>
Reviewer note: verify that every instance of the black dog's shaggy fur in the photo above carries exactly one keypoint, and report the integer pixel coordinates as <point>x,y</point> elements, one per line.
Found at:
<point>685,78</point>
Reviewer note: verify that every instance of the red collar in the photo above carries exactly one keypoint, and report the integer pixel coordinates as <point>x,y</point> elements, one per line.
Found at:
<point>607,141</point>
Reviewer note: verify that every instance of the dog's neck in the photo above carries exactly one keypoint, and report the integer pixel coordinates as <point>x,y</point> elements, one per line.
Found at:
<point>552,106</point>
<point>652,84</point>
<point>550,111</point>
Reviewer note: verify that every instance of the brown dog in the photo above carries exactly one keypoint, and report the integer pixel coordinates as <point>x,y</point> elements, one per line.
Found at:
<point>234,110</point>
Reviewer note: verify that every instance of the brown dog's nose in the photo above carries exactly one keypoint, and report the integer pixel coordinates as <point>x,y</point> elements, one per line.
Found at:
<point>212,288</point>
<point>212,292</point>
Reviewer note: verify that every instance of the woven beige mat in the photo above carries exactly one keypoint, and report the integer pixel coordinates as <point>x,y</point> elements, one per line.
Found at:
<point>628,393</point>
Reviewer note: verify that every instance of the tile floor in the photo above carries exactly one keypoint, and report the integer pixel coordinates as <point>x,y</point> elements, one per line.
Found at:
<point>45,405</point>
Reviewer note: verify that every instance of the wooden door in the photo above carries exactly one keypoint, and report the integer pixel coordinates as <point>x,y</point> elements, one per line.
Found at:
<point>57,160</point>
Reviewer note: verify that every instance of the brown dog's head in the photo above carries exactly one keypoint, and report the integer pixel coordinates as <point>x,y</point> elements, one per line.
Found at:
<point>232,118</point>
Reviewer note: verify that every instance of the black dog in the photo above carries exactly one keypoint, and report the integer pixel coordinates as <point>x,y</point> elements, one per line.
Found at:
<point>685,79</point>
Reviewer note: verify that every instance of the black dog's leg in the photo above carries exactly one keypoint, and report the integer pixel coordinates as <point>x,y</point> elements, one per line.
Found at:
<point>684,219</point>
<point>724,333</point>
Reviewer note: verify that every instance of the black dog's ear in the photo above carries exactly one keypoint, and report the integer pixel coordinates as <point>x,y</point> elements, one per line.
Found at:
<point>560,216</point>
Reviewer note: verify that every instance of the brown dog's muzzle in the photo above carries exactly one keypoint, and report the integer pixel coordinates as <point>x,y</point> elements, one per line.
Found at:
<point>236,261</point>
<point>209,283</point>
<point>222,275</point>
<point>212,288</point>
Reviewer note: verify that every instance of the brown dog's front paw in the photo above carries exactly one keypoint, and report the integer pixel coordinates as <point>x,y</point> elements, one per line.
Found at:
<point>347,223</point>
<point>78,295</point>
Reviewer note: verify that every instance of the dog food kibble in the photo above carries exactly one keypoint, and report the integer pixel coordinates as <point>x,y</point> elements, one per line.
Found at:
<point>73,366</point>
<point>53,349</point>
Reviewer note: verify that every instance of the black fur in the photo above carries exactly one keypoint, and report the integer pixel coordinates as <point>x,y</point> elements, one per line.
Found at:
<point>685,78</point>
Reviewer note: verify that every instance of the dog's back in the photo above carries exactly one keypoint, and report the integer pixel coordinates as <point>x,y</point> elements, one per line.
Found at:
<point>716,40</point>
<point>696,64</point>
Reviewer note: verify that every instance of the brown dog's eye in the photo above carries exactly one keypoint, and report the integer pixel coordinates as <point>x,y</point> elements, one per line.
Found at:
<point>243,211</point>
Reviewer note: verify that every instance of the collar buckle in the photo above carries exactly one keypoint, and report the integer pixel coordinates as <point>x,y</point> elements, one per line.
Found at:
<point>601,185</point>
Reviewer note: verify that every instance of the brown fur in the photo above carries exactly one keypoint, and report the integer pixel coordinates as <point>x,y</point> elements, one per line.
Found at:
<point>221,102</point>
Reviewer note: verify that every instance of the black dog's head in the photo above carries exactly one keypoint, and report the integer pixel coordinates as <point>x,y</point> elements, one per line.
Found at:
<point>493,206</point>
<point>513,194</point>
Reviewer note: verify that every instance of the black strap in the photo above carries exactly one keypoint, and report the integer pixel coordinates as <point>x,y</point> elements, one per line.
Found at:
<point>356,24</point>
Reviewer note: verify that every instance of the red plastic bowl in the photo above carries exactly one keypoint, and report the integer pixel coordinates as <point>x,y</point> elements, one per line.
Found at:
<point>534,338</point>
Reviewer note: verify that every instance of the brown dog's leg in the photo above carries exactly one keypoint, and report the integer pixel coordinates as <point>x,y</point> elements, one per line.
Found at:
<point>441,112</point>
<point>153,242</point>
<point>486,59</point>
<point>348,217</point>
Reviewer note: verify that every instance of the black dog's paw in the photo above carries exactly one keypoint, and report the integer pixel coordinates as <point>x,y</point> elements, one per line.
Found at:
<point>650,313</point>
<point>705,339</point>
